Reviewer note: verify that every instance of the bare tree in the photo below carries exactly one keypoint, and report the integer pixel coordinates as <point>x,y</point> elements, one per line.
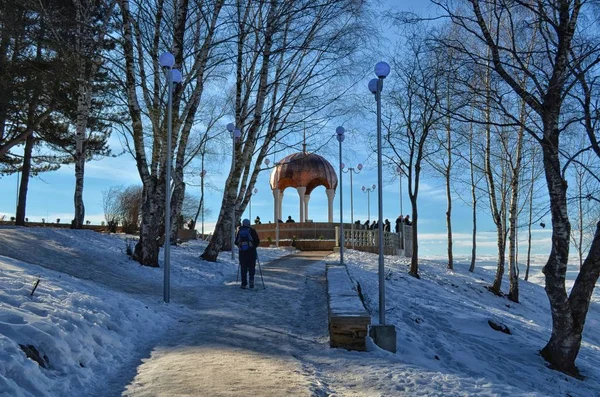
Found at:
<point>417,100</point>
<point>193,27</point>
<point>287,58</point>
<point>446,138</point>
<point>475,176</point>
<point>553,64</point>
<point>111,203</point>
<point>130,204</point>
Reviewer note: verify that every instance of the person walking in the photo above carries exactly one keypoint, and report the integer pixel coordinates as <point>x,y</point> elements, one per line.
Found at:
<point>247,241</point>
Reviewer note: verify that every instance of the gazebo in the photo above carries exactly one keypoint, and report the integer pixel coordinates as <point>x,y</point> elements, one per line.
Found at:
<point>304,172</point>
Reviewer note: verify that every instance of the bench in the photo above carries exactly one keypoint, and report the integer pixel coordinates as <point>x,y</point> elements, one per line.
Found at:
<point>348,320</point>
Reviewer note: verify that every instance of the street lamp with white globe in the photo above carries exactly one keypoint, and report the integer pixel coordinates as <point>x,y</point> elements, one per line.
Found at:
<point>352,170</point>
<point>368,190</point>
<point>381,333</point>
<point>166,61</point>
<point>340,137</point>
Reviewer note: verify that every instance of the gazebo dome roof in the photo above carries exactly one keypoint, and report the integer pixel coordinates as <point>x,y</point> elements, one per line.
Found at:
<point>303,170</point>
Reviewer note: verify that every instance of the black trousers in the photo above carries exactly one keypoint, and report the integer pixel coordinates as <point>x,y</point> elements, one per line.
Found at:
<point>248,267</point>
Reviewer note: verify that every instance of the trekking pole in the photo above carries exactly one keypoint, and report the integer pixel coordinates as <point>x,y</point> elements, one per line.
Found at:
<point>260,270</point>
<point>237,274</point>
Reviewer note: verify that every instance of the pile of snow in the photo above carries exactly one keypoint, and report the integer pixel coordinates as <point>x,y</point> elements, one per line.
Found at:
<point>94,309</point>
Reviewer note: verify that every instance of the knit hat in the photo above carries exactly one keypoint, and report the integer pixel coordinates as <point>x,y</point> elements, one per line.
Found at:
<point>246,222</point>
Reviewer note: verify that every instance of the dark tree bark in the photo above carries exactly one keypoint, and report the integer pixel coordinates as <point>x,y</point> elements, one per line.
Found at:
<point>24,185</point>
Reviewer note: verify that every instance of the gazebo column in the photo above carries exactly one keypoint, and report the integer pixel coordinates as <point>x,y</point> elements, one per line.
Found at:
<point>275,205</point>
<point>277,199</point>
<point>301,190</point>
<point>330,196</point>
<point>279,204</point>
<point>306,199</point>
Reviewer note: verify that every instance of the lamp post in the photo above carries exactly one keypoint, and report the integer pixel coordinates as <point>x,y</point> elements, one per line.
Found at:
<point>202,175</point>
<point>235,134</point>
<point>340,137</point>
<point>351,171</point>
<point>253,193</point>
<point>166,61</point>
<point>382,69</point>
<point>368,190</point>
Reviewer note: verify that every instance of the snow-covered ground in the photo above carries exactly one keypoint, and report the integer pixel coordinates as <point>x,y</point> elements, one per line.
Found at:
<point>79,316</point>
<point>96,315</point>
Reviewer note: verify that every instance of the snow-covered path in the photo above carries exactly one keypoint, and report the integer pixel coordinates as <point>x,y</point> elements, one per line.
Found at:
<point>102,329</point>
<point>241,342</point>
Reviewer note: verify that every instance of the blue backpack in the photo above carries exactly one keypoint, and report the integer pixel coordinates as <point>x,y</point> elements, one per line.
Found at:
<point>245,239</point>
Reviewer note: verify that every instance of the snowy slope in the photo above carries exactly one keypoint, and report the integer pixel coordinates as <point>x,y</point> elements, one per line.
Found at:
<point>442,327</point>
<point>98,316</point>
<point>78,317</point>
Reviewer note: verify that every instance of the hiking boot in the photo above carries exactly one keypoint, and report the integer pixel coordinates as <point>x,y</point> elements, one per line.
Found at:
<point>244,287</point>
<point>251,284</point>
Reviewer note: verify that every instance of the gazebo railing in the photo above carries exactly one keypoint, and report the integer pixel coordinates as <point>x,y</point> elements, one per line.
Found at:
<point>360,239</point>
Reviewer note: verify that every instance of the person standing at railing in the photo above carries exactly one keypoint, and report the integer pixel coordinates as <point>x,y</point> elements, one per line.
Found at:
<point>374,225</point>
<point>399,224</point>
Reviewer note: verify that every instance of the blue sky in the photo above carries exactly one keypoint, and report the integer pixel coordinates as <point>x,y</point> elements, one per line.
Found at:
<point>50,196</point>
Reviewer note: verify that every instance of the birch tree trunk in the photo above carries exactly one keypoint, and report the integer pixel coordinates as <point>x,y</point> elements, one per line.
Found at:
<point>447,173</point>
<point>147,249</point>
<point>565,341</point>
<point>83,109</point>
<point>513,290</point>
<point>532,181</point>
<point>493,201</point>
<point>88,47</point>
<point>473,201</point>
<point>516,168</point>
<point>414,260</point>
<point>84,98</point>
